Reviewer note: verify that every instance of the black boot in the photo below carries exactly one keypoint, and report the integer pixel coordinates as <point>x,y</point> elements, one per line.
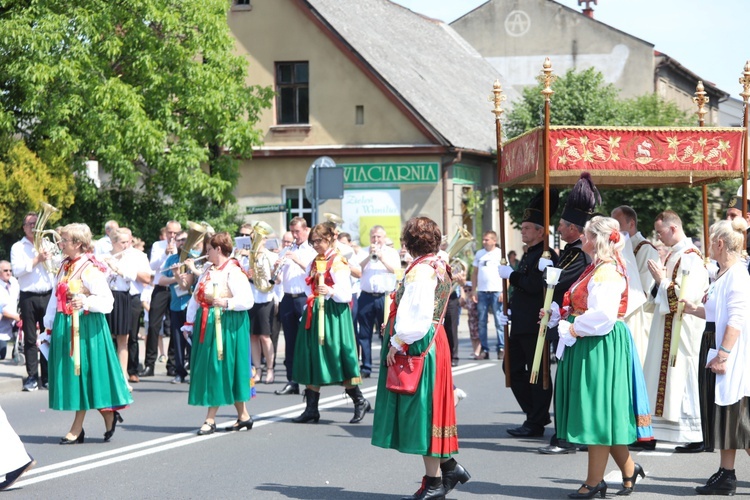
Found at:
<point>453,473</point>
<point>311,413</point>
<point>724,482</point>
<point>361,405</point>
<point>432,487</point>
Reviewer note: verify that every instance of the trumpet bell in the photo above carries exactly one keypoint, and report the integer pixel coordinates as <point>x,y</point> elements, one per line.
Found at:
<point>262,228</point>
<point>196,234</point>
<point>331,217</point>
<point>460,240</point>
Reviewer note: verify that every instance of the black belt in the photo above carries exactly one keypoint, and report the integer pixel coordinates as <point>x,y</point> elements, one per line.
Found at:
<point>33,294</point>
<point>295,295</point>
<point>160,287</point>
<point>376,295</point>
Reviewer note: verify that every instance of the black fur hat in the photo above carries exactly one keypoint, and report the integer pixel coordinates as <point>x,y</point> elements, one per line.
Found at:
<point>535,209</point>
<point>584,196</point>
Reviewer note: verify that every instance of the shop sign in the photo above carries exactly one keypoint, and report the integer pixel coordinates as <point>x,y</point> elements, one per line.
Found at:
<point>391,173</point>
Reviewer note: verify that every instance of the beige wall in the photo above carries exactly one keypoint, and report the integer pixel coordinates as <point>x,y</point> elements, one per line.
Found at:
<point>515,36</point>
<point>278,30</point>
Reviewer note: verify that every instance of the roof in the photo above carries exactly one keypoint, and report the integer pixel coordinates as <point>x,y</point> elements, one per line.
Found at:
<point>436,74</point>
<point>689,75</point>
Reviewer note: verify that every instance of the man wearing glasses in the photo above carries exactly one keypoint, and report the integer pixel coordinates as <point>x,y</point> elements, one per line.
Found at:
<point>8,305</point>
<point>35,285</point>
<point>160,297</point>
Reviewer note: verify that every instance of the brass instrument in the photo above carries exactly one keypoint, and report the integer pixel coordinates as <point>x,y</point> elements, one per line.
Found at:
<point>458,242</point>
<point>48,245</point>
<point>331,217</point>
<point>279,265</point>
<point>176,266</point>
<point>196,234</point>
<point>259,261</point>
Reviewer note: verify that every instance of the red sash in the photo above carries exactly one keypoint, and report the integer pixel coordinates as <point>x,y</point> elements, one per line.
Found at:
<point>200,296</point>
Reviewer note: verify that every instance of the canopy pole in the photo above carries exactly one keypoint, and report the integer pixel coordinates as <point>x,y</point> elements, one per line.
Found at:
<point>745,94</point>
<point>498,99</point>
<point>701,99</point>
<point>547,78</point>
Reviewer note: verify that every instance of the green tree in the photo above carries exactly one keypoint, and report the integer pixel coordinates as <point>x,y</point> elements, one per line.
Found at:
<point>584,98</point>
<point>149,88</point>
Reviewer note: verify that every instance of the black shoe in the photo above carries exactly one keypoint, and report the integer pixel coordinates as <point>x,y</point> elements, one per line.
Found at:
<point>31,384</point>
<point>525,431</point>
<point>171,373</point>
<point>600,489</point>
<point>12,476</point>
<point>289,388</point>
<point>241,424</point>
<point>643,445</point>
<point>311,413</point>
<point>365,374</point>
<point>723,482</point>
<point>117,419</point>
<point>453,473</point>
<point>361,405</point>
<point>211,429</point>
<point>77,440</point>
<point>691,448</point>
<point>553,449</point>
<point>432,487</point>
<point>454,362</point>
<point>44,384</point>
<point>147,372</point>
<point>627,490</point>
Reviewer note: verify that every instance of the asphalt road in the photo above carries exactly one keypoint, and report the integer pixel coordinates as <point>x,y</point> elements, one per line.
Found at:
<point>156,453</point>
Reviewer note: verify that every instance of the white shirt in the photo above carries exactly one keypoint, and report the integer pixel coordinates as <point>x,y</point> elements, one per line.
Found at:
<point>158,256</point>
<point>100,299</point>
<point>341,291</point>
<point>127,264</point>
<point>239,287</point>
<point>416,308</point>
<point>139,263</point>
<point>103,247</point>
<point>376,278</point>
<point>292,275</point>
<point>31,278</point>
<point>487,264</point>
<point>9,291</point>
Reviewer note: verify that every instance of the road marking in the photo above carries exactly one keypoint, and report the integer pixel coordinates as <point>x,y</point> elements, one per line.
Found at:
<point>173,441</point>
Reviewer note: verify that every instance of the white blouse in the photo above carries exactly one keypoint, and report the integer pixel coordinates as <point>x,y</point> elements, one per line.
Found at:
<point>236,281</point>
<point>732,301</point>
<point>99,300</point>
<point>341,291</point>
<point>416,308</point>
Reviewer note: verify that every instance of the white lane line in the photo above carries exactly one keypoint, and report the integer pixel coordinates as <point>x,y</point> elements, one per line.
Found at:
<point>183,439</point>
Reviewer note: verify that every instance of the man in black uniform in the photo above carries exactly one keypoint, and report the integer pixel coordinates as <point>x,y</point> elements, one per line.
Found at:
<point>578,209</point>
<point>528,298</point>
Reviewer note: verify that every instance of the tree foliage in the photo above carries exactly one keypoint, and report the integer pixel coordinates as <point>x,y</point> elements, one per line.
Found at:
<point>149,88</point>
<point>584,98</point>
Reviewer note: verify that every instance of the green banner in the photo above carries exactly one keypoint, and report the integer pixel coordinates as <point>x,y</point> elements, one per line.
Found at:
<point>265,209</point>
<point>391,173</point>
<point>467,175</point>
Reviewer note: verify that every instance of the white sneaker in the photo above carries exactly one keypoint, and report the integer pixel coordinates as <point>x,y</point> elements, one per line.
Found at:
<point>177,380</point>
<point>458,395</point>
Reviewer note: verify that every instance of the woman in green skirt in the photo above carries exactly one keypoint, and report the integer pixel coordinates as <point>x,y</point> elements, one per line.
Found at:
<point>423,423</point>
<point>326,349</point>
<point>594,401</point>
<point>220,355</point>
<point>84,372</point>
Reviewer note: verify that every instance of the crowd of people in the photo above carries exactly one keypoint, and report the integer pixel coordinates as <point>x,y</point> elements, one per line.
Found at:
<point>651,345</point>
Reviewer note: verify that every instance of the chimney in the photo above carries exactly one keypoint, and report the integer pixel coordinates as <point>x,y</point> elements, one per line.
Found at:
<point>587,10</point>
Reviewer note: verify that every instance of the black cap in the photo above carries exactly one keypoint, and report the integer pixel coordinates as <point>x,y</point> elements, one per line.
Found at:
<point>584,196</point>
<point>534,212</point>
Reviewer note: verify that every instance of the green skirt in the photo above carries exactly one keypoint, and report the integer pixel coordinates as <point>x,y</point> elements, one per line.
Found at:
<point>334,362</point>
<point>101,384</point>
<point>215,382</point>
<point>594,390</point>
<point>404,422</point>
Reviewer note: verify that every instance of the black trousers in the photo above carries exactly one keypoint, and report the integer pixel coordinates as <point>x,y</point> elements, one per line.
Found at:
<point>136,309</point>
<point>533,399</point>
<point>290,311</point>
<point>451,324</point>
<point>33,306</point>
<point>370,313</point>
<point>707,385</point>
<point>159,308</point>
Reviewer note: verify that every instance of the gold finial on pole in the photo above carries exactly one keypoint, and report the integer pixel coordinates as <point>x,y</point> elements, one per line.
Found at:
<point>547,78</point>
<point>498,99</point>
<point>701,99</point>
<point>745,82</point>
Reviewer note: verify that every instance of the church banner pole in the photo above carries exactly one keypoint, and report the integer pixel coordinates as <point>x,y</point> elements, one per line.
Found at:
<point>745,94</point>
<point>701,99</point>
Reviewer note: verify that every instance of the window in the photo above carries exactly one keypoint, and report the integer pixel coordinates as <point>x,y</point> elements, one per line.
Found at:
<point>292,95</point>
<point>299,206</point>
<point>359,115</point>
<point>241,5</point>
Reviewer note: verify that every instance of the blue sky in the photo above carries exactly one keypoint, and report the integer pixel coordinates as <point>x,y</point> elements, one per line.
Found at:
<point>709,38</point>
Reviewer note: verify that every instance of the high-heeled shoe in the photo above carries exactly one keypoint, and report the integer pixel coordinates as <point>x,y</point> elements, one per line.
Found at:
<point>211,429</point>
<point>117,418</point>
<point>76,440</point>
<point>241,424</point>
<point>270,377</point>
<point>627,490</point>
<point>600,489</point>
